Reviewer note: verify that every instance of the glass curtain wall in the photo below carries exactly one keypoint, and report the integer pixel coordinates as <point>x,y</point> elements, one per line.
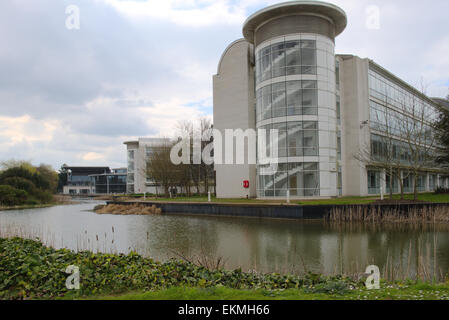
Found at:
<point>279,101</point>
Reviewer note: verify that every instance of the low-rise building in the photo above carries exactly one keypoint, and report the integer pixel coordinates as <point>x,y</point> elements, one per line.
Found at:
<point>110,183</point>
<point>138,153</point>
<point>79,181</point>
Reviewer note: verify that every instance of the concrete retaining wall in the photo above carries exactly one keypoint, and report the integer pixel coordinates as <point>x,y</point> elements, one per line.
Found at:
<point>265,211</point>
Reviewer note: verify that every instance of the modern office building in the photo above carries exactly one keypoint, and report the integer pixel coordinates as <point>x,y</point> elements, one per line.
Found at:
<point>110,183</point>
<point>285,75</point>
<point>79,181</point>
<point>138,153</point>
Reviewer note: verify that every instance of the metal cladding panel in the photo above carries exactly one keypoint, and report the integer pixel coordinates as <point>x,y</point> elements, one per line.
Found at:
<point>295,24</point>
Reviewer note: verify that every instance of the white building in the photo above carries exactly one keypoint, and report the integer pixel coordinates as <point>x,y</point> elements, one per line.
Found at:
<point>138,153</point>
<point>284,75</point>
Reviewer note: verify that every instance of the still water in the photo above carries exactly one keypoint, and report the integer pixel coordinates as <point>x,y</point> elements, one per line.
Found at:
<point>252,244</point>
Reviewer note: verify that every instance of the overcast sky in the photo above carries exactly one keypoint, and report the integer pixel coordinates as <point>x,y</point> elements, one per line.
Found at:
<point>135,68</point>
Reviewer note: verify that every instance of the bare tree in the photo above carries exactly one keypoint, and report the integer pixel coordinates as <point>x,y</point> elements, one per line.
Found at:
<point>197,174</point>
<point>406,141</point>
<point>160,168</point>
<point>418,130</point>
<point>207,170</point>
<point>383,153</point>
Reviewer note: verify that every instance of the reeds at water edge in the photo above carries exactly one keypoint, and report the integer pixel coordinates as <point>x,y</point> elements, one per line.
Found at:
<point>377,214</point>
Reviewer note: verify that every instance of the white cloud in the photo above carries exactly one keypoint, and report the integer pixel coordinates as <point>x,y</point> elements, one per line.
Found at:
<point>93,156</point>
<point>15,130</point>
<point>193,13</point>
<point>136,68</point>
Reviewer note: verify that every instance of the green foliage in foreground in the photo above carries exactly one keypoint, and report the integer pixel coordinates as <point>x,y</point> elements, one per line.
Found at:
<point>30,270</point>
<point>387,292</point>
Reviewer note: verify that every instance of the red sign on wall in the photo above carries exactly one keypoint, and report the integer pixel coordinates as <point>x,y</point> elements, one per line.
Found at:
<point>246,184</point>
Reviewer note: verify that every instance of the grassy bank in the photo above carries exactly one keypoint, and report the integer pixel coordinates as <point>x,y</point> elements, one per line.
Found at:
<point>424,197</point>
<point>57,201</point>
<point>388,292</point>
<point>29,270</point>
<point>31,206</point>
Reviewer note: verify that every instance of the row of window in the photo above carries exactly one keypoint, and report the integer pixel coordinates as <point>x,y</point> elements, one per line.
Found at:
<point>286,58</point>
<point>392,122</point>
<point>109,180</point>
<point>302,179</point>
<point>131,167</point>
<point>394,95</point>
<point>386,149</point>
<point>287,98</point>
<point>295,139</point>
<point>374,182</point>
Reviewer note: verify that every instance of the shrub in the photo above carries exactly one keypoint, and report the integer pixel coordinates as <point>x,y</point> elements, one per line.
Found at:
<point>21,184</point>
<point>43,179</point>
<point>332,286</point>
<point>10,196</point>
<point>30,270</point>
<point>43,196</point>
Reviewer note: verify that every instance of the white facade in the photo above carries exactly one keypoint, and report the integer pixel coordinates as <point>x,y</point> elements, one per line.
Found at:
<point>234,109</point>
<point>367,90</point>
<point>285,76</point>
<point>138,153</point>
<point>325,116</point>
<point>288,52</point>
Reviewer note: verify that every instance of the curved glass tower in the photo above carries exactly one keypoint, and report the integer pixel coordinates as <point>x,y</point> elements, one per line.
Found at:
<point>295,93</point>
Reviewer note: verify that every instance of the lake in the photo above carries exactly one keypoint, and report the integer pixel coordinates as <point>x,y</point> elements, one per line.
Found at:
<point>264,245</point>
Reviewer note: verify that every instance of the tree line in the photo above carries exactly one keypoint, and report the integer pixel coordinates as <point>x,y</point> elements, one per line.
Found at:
<point>21,183</point>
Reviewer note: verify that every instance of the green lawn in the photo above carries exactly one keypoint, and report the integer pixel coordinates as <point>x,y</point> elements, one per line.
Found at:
<point>390,292</point>
<point>428,197</point>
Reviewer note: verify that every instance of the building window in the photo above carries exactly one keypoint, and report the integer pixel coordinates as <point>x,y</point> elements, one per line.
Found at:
<point>394,183</point>
<point>421,183</point>
<point>432,182</point>
<point>337,74</point>
<point>338,110</point>
<point>286,58</point>
<point>295,139</point>
<point>287,98</point>
<point>302,179</point>
<point>339,145</point>
<point>340,182</point>
<point>373,182</point>
<point>407,181</point>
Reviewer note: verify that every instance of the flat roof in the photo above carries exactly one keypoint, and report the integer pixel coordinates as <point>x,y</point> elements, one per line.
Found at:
<point>87,170</point>
<point>336,14</point>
